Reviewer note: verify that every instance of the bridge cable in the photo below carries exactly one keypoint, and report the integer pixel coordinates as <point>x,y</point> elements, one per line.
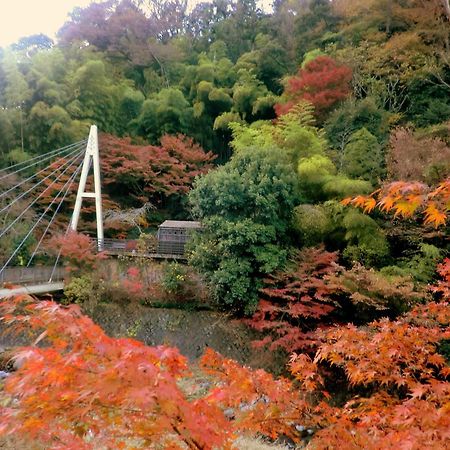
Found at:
<point>37,173</point>
<point>40,182</point>
<point>34,225</point>
<point>68,164</point>
<point>69,182</point>
<point>44,157</point>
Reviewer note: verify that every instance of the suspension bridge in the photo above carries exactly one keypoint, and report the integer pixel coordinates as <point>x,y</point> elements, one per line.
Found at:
<point>34,194</point>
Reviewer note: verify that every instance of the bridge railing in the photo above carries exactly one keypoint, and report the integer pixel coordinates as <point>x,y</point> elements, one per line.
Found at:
<point>31,275</point>
<point>132,247</point>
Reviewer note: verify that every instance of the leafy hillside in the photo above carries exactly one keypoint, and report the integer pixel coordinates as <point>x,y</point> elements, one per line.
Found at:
<point>313,144</point>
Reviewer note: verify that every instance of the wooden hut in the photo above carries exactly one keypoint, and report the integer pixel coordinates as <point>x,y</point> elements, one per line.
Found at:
<point>173,235</point>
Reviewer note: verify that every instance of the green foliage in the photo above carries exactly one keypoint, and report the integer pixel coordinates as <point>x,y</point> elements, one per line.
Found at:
<point>94,98</point>
<point>367,243</point>
<point>420,266</point>
<point>353,115</point>
<point>313,173</point>
<point>23,255</point>
<point>17,155</point>
<point>258,134</point>
<point>129,107</point>
<point>167,112</point>
<point>309,56</point>
<point>174,278</point>
<point>79,289</point>
<point>430,103</point>
<point>362,157</point>
<point>245,207</point>
<point>372,291</point>
<point>297,133</point>
<point>6,131</point>
<point>312,223</point>
<point>340,187</point>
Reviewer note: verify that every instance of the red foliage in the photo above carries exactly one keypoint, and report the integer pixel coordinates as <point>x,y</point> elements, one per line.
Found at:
<point>86,390</point>
<point>296,302</point>
<point>133,284</point>
<point>77,249</point>
<point>443,286</point>
<point>152,171</point>
<point>322,81</point>
<point>408,198</point>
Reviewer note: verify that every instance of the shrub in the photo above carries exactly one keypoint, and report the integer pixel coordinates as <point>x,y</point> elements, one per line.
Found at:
<point>79,289</point>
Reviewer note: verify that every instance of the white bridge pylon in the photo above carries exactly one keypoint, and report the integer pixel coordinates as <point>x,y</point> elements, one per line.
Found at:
<point>91,157</point>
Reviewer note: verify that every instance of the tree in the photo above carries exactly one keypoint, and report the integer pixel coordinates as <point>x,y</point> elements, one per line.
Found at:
<point>351,116</point>
<point>167,112</point>
<point>94,97</point>
<point>323,82</point>
<point>316,26</point>
<point>16,91</point>
<point>245,208</point>
<point>296,301</point>
<point>396,378</point>
<point>413,159</point>
<point>84,389</point>
<point>362,157</point>
<point>77,249</point>
<point>33,43</point>
<point>150,173</point>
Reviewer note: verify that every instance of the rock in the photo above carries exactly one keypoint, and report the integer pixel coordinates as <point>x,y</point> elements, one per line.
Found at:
<point>229,413</point>
<point>286,442</point>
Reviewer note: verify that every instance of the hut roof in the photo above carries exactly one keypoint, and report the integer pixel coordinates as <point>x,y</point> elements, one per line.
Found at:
<point>180,224</point>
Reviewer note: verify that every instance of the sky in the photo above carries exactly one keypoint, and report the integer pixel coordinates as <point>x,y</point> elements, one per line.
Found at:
<point>20,18</point>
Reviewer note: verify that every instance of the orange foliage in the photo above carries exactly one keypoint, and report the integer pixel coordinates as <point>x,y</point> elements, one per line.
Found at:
<point>406,199</point>
<point>85,390</point>
<point>399,383</point>
<point>258,402</point>
<point>443,286</point>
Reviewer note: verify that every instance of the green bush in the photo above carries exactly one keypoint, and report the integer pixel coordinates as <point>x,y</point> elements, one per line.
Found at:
<point>174,278</point>
<point>246,208</point>
<point>79,289</point>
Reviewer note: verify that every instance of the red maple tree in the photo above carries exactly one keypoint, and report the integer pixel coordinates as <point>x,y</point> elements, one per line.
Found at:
<point>78,250</point>
<point>323,82</point>
<point>297,301</point>
<point>397,382</point>
<point>82,389</point>
<point>149,172</point>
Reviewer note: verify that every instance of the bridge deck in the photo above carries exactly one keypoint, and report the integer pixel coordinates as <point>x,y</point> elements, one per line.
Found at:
<point>41,279</point>
<point>36,289</point>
